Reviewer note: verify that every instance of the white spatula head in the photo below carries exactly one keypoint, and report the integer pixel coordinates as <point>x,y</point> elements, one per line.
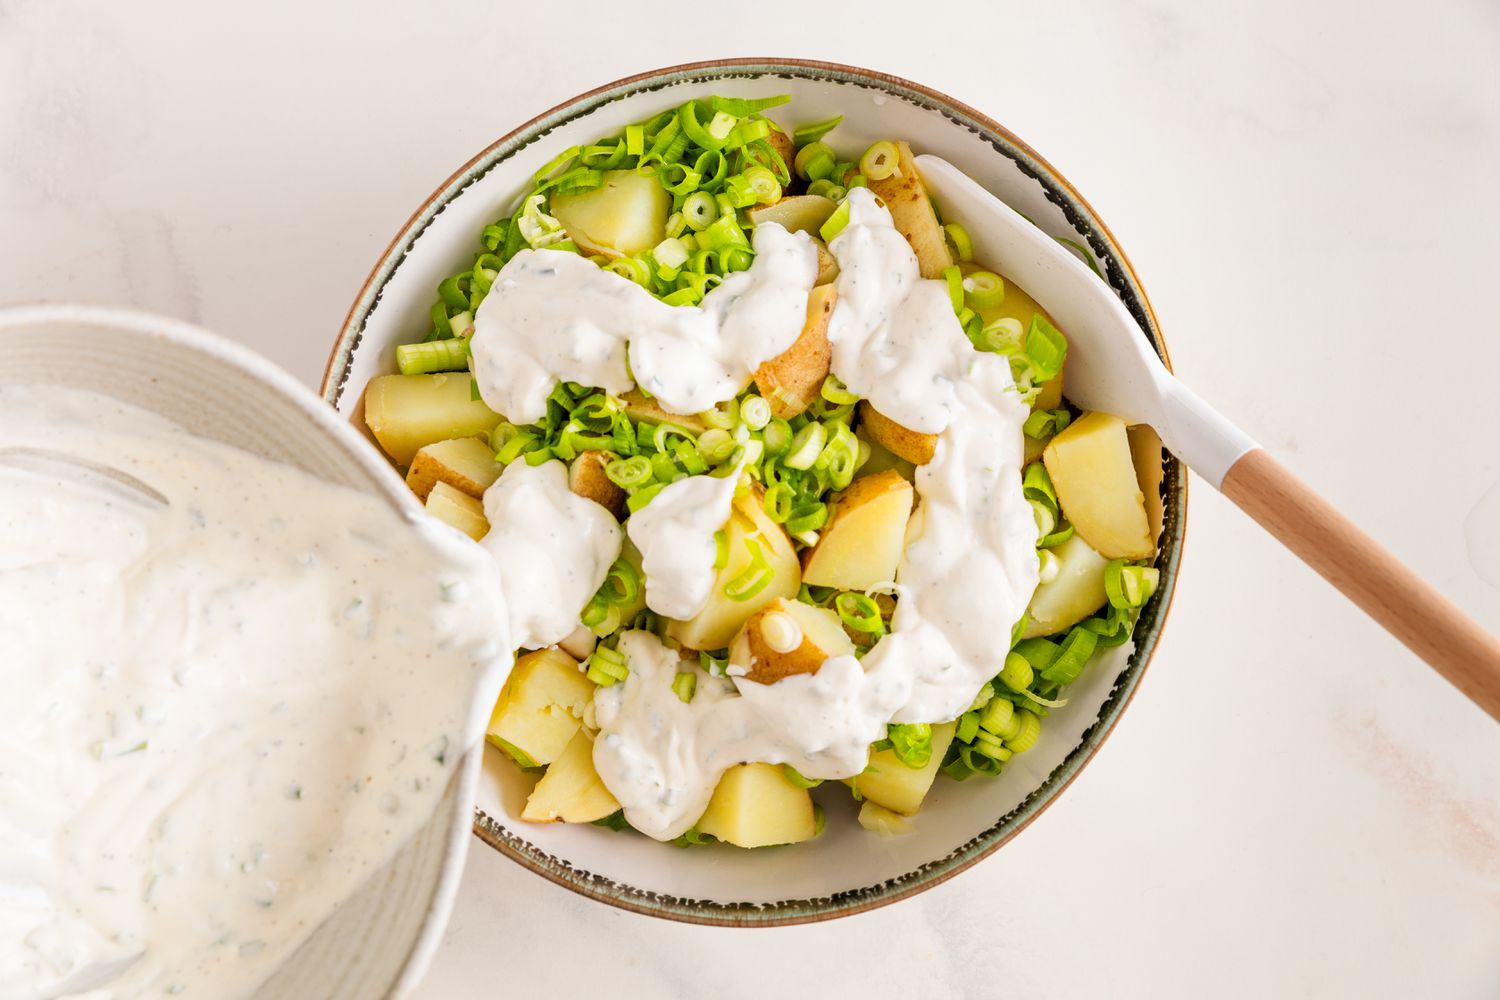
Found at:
<point>1111,365</point>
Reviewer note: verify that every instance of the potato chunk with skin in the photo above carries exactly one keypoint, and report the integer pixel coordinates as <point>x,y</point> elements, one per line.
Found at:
<point>914,446</point>
<point>571,791</point>
<point>1076,592</point>
<point>457,509</point>
<point>802,213</point>
<point>409,412</point>
<point>1145,454</point>
<point>865,536</point>
<point>466,464</point>
<point>889,783</point>
<point>788,637</point>
<point>722,616</point>
<point>639,406</point>
<point>791,380</point>
<point>1092,470</point>
<point>540,708</point>
<point>755,805</point>
<point>587,479</point>
<point>626,214</point>
<point>913,214</point>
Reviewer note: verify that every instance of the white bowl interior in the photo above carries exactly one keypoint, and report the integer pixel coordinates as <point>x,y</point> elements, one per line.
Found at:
<point>377,944</point>
<point>845,858</point>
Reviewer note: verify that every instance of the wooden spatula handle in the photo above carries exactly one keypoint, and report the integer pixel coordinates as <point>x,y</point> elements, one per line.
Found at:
<point>1409,607</point>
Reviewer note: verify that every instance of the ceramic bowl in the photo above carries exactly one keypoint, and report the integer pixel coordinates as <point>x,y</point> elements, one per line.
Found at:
<point>845,870</point>
<point>379,942</point>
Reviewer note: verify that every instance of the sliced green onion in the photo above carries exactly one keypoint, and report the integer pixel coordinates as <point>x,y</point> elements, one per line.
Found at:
<point>716,445</point>
<point>835,224</point>
<point>1071,658</point>
<point>433,356</point>
<point>880,161</point>
<point>622,584</point>
<point>806,520</point>
<point>777,437</point>
<point>763,184</point>
<point>635,140</point>
<point>859,612</point>
<point>911,742</point>
<point>1082,253</point>
<point>985,289</point>
<point>955,279</point>
<point>606,667</point>
<point>778,503</point>
<point>747,132</point>
<point>742,107</point>
<point>963,247</point>
<point>1046,348</point>
<point>1001,336</point>
<point>814,161</point>
<point>1130,586</point>
<point>754,578</point>
<point>1045,423</point>
<point>1016,674</point>
<point>1029,731</point>
<point>968,727</point>
<point>806,445</point>
<point>997,717</point>
<point>836,392</point>
<point>643,496</point>
<point>795,777</point>
<point>684,686</point>
<point>812,132</point>
<point>755,412</point>
<point>699,210</point>
<point>721,549</point>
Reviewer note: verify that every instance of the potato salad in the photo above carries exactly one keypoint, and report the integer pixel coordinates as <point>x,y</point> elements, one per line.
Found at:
<point>778,476</point>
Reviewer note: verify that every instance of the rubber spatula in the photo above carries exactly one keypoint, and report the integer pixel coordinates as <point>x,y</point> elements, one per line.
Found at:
<point>1112,367</point>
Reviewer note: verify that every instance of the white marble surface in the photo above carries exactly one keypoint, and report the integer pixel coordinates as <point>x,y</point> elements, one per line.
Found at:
<point>1293,806</point>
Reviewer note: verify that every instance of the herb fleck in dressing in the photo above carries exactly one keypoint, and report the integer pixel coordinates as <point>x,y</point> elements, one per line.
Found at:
<point>222,713</point>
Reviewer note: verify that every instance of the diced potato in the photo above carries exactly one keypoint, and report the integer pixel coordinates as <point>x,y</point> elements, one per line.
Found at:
<point>865,536</point>
<point>911,445</point>
<point>781,141</point>
<point>1092,470</point>
<point>619,614</point>
<point>409,412</point>
<point>639,406</point>
<point>888,782</point>
<point>791,380</point>
<point>828,267</point>
<point>540,708</point>
<point>1145,455</point>
<point>804,213</point>
<point>912,212</point>
<point>788,637</point>
<point>1075,593</point>
<point>879,820</point>
<point>882,458</point>
<point>587,479</point>
<point>457,509</point>
<point>623,216</point>
<point>755,805</point>
<point>578,643</point>
<point>1021,307</point>
<point>722,616</point>
<point>571,791</point>
<point>466,464</point>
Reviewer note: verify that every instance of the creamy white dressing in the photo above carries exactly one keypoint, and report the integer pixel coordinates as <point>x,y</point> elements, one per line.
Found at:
<point>970,564</point>
<point>552,546</point>
<point>662,758</point>
<point>675,535</point>
<point>554,316</point>
<point>222,713</point>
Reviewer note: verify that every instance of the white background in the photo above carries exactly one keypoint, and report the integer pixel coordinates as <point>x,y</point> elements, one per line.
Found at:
<point>1293,806</point>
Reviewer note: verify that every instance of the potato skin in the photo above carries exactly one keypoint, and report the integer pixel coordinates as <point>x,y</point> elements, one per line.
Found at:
<point>912,212</point>
<point>914,446</point>
<point>587,479</point>
<point>466,464</point>
<point>791,380</point>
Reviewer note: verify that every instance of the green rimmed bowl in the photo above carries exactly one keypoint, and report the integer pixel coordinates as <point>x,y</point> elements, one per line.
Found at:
<point>846,870</point>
